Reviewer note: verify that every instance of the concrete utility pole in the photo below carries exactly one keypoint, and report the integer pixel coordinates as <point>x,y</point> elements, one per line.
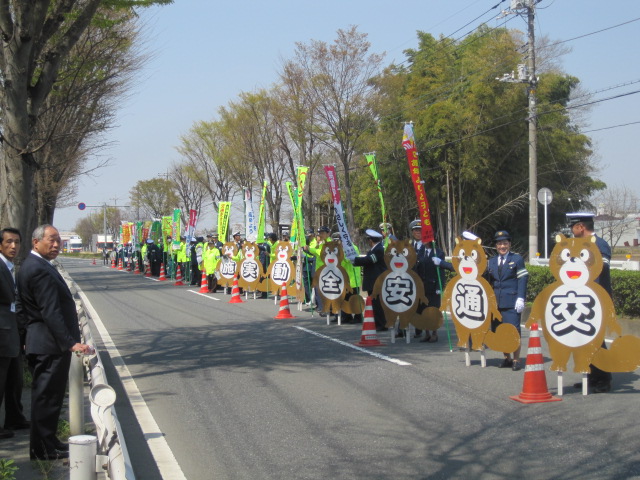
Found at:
<point>527,74</point>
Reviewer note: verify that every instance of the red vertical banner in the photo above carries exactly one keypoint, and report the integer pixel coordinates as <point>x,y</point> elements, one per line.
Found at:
<point>409,144</point>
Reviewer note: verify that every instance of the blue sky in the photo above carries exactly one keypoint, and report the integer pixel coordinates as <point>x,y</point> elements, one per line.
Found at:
<point>205,52</point>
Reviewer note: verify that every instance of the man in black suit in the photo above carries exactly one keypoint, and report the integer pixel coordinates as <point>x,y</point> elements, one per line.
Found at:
<point>48,309</point>
<point>11,370</point>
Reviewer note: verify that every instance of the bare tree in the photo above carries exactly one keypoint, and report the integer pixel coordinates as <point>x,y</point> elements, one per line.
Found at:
<point>189,188</point>
<point>202,150</point>
<point>617,213</point>
<point>337,84</point>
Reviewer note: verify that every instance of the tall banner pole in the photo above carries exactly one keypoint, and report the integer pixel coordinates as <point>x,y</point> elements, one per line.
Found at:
<point>347,244</point>
<point>224,209</point>
<point>373,166</point>
<point>261,216</point>
<point>251,228</point>
<point>409,144</point>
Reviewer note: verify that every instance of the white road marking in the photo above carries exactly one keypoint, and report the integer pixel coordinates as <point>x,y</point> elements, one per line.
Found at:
<point>204,295</point>
<point>162,454</point>
<point>356,347</point>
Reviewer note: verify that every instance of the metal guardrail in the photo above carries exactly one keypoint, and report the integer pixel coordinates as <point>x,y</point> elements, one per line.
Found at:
<point>112,457</point>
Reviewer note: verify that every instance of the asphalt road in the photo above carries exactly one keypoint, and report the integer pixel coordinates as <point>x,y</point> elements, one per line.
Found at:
<point>237,394</point>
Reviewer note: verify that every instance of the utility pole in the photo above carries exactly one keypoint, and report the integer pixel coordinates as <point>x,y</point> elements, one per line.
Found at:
<point>527,74</point>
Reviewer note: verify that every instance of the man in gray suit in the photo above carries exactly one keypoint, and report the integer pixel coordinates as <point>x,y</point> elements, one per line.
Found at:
<point>47,307</point>
<point>11,369</point>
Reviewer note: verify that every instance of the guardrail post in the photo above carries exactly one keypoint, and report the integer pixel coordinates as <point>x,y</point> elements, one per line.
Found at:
<point>82,457</point>
<point>76,396</point>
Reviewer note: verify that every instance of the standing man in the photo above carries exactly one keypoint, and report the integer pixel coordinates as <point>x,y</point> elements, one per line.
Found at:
<point>582,226</point>
<point>427,265</point>
<point>315,249</point>
<point>508,277</point>
<point>48,309</point>
<point>154,255</point>
<point>374,265</point>
<point>11,369</point>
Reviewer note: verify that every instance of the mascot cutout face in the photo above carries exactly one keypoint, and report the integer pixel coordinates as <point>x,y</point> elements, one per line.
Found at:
<point>281,271</point>
<point>575,312</point>
<point>472,303</point>
<point>250,269</point>
<point>399,288</point>
<point>331,279</point>
<point>227,267</point>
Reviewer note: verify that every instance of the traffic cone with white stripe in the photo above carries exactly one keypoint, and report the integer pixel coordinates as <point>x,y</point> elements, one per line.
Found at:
<point>113,262</point>
<point>534,389</point>
<point>284,311</point>
<point>369,336</point>
<point>204,285</point>
<point>235,292</point>
<point>120,265</point>
<point>163,274</point>
<point>178,276</point>
<point>137,270</point>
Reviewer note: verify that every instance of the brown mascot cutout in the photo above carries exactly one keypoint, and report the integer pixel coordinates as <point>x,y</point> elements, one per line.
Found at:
<point>250,270</point>
<point>227,267</point>
<point>332,280</point>
<point>472,302</point>
<point>281,271</point>
<point>575,312</point>
<point>400,289</point>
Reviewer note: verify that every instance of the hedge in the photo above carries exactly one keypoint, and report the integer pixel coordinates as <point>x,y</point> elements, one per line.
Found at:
<point>626,288</point>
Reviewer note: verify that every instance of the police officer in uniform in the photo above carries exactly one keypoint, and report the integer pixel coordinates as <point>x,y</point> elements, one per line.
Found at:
<point>582,225</point>
<point>508,276</point>
<point>373,265</point>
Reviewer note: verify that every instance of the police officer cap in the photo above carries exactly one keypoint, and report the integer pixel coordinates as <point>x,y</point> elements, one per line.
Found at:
<point>273,236</point>
<point>236,234</point>
<point>415,225</point>
<point>209,235</point>
<point>579,217</point>
<point>324,229</point>
<point>200,239</point>
<point>372,234</point>
<point>214,234</point>
<point>286,234</point>
<point>502,235</point>
<point>149,240</point>
<point>309,231</point>
<point>335,236</point>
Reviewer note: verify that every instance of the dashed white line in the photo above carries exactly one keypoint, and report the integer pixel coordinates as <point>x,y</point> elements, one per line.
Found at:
<point>204,295</point>
<point>355,347</point>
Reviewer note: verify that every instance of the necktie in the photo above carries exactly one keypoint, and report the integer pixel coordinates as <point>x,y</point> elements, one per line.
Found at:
<point>500,264</point>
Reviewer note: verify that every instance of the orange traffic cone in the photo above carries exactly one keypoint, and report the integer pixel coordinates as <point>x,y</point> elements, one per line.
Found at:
<point>120,265</point>
<point>534,389</point>
<point>178,276</point>
<point>147,270</point>
<point>137,270</point>
<point>94,261</point>
<point>369,336</point>
<point>113,263</point>
<point>204,286</point>
<point>163,276</point>
<point>284,311</point>
<point>235,292</point>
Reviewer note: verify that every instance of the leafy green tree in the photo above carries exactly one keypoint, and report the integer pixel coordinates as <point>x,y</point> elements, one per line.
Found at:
<point>154,198</point>
<point>472,135</point>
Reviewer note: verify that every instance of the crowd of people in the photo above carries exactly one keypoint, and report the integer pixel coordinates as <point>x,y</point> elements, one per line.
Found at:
<point>38,316</point>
